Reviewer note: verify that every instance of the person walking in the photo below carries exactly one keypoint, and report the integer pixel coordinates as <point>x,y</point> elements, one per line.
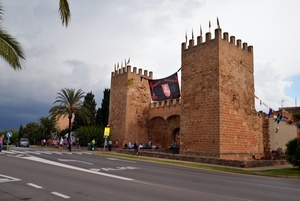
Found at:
<point>77,143</point>
<point>61,143</point>
<point>136,148</point>
<point>1,142</point>
<point>117,143</point>
<point>93,144</point>
<point>69,144</point>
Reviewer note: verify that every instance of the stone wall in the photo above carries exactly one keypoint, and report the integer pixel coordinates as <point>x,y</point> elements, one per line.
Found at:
<point>218,117</point>
<point>129,105</point>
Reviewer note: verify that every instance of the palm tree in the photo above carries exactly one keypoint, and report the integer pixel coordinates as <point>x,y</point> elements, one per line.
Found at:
<point>11,50</point>
<point>69,104</point>
<point>48,125</point>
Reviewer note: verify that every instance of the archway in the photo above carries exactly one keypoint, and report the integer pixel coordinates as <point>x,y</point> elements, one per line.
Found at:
<point>176,138</point>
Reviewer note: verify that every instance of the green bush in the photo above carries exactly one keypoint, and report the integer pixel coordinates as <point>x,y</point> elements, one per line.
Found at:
<point>293,152</point>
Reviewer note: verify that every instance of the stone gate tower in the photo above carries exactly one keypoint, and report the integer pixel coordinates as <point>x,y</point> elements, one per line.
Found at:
<point>129,104</point>
<point>218,117</point>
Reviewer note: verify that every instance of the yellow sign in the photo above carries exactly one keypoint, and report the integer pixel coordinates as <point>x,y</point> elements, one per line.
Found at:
<point>106,131</point>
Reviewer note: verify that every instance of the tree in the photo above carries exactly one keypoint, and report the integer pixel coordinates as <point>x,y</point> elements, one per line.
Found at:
<point>69,104</point>
<point>32,132</point>
<point>90,103</point>
<point>87,133</point>
<point>103,112</point>
<point>48,125</point>
<point>293,152</point>
<point>11,50</point>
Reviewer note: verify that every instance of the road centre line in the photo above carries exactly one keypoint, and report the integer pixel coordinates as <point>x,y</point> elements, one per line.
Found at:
<point>71,160</point>
<point>34,185</point>
<point>41,160</point>
<point>116,159</point>
<point>60,195</point>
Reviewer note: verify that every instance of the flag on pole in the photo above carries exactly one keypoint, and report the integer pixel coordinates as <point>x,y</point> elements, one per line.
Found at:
<point>270,112</point>
<point>200,30</point>
<point>209,25</point>
<point>128,61</point>
<point>218,23</point>
<point>165,88</point>
<point>186,37</point>
<point>192,34</point>
<point>278,118</point>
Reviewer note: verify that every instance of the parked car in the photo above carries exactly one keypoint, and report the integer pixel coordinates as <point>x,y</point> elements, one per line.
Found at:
<point>22,142</point>
<point>6,141</point>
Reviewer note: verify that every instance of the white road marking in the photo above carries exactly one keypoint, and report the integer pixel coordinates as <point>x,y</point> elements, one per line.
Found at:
<point>34,185</point>
<point>8,178</point>
<point>116,159</point>
<point>41,160</point>
<point>60,195</point>
<point>71,160</point>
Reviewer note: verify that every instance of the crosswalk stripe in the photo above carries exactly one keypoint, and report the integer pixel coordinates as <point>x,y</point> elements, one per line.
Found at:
<point>18,153</point>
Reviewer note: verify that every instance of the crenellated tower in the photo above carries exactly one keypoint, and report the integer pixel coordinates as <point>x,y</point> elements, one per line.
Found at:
<point>218,117</point>
<point>129,104</point>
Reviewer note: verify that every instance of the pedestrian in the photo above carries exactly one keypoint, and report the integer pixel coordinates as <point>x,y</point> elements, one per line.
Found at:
<point>69,142</point>
<point>1,142</point>
<point>77,143</point>
<point>93,144</point>
<point>61,143</point>
<point>136,148</point>
<point>109,145</point>
<point>117,143</point>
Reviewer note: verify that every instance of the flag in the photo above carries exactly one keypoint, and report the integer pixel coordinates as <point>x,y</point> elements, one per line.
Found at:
<point>218,23</point>
<point>165,88</point>
<point>200,30</point>
<point>255,96</point>
<point>270,112</point>
<point>192,35</point>
<point>278,118</point>
<point>118,66</point>
<point>260,102</point>
<point>265,104</point>
<point>128,61</point>
<point>186,37</point>
<point>286,118</point>
<point>209,25</point>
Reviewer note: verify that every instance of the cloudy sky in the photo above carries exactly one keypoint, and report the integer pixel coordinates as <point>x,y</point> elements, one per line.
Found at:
<point>103,33</point>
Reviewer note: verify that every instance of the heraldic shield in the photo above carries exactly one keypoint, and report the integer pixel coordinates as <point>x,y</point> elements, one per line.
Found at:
<point>165,88</point>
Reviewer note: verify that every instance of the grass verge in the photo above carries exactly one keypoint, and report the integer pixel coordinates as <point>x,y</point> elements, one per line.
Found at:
<point>285,172</point>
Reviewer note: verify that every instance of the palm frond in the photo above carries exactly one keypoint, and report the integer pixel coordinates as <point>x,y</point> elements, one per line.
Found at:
<point>11,50</point>
<point>65,13</point>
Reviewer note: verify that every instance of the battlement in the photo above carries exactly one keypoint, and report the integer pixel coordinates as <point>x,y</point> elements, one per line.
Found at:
<point>166,103</point>
<point>165,109</point>
<point>218,33</point>
<point>127,69</point>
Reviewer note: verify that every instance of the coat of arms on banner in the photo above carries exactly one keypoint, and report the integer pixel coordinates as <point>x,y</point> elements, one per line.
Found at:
<point>166,89</point>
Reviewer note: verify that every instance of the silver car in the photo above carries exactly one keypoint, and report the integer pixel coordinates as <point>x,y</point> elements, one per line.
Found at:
<point>22,142</point>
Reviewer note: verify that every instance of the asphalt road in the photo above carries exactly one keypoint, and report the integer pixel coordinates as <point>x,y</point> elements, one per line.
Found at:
<point>41,174</point>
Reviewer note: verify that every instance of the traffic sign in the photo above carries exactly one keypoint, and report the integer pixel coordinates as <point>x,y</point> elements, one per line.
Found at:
<point>9,134</point>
